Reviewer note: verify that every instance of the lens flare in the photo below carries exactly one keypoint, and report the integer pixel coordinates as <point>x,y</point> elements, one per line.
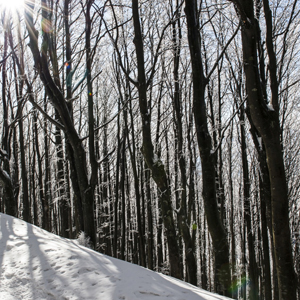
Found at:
<point>238,284</point>
<point>11,5</point>
<point>46,26</point>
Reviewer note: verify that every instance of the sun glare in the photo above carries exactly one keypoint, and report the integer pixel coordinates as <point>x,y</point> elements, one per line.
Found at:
<point>11,5</point>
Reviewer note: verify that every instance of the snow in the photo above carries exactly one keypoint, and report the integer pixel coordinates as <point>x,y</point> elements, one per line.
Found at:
<point>5,174</point>
<point>155,158</point>
<point>270,107</point>
<point>35,264</point>
<point>259,139</point>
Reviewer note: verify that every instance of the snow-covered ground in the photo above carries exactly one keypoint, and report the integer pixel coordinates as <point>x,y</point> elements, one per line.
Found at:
<point>38,265</point>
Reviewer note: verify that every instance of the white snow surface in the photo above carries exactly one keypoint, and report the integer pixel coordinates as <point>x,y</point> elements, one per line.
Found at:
<point>38,265</point>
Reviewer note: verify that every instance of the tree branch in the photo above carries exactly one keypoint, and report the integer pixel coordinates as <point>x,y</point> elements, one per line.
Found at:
<point>223,51</point>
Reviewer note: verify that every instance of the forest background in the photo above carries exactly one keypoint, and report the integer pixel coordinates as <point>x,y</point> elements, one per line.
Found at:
<point>167,131</point>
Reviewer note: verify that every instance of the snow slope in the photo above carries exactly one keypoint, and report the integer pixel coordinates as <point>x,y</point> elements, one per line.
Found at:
<point>38,265</point>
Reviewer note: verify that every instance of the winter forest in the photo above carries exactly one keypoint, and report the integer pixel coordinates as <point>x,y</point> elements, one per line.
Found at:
<point>165,130</point>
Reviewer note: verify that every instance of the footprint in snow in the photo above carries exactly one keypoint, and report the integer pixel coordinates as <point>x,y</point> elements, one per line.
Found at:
<point>49,250</point>
<point>9,275</point>
<point>19,244</point>
<point>84,270</point>
<point>9,247</point>
<point>73,257</point>
<point>149,293</point>
<point>114,279</point>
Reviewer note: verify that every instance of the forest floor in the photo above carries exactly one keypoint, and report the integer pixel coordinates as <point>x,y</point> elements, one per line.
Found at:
<point>38,265</point>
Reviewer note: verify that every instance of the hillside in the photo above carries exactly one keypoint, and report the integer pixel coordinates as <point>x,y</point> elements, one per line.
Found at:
<point>38,265</point>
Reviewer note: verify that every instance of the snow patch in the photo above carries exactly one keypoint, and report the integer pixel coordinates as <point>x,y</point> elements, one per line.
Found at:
<point>38,265</point>
<point>270,107</point>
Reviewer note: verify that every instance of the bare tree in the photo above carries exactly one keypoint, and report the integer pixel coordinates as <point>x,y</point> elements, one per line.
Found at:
<point>266,120</point>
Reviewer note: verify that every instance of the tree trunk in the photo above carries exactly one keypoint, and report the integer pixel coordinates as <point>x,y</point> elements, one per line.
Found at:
<point>132,152</point>
<point>150,240</point>
<point>9,201</point>
<point>232,218</point>
<point>215,227</point>
<point>46,215</point>
<point>59,102</point>
<point>120,145</point>
<point>253,289</point>
<point>24,173</point>
<point>265,209</point>
<point>155,165</point>
<point>183,219</point>
<point>64,204</point>
<point>266,120</point>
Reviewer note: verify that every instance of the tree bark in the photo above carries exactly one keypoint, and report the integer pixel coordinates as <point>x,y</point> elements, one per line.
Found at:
<point>9,201</point>
<point>265,210</point>
<point>266,120</point>
<point>59,102</point>
<point>215,227</point>
<point>69,151</point>
<point>253,289</point>
<point>183,220</point>
<point>155,165</point>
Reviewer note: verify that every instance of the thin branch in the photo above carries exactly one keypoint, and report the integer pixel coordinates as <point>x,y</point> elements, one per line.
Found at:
<point>290,85</point>
<point>109,121</point>
<point>159,44</point>
<point>31,100</point>
<point>225,128</point>
<point>223,51</point>
<point>5,58</point>
<point>108,154</point>
<point>29,90</point>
